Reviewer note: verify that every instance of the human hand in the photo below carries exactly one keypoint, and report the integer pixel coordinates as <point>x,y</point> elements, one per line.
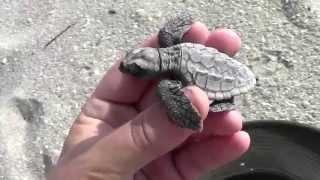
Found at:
<point>123,131</point>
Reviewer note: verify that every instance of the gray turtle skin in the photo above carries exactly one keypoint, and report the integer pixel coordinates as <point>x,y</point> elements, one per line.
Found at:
<point>223,78</point>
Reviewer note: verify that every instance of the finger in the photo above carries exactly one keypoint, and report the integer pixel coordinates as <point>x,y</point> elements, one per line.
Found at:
<point>150,97</point>
<point>162,168</point>
<point>220,124</point>
<point>224,40</point>
<point>96,120</point>
<point>223,123</point>
<point>151,41</point>
<point>84,132</point>
<point>107,111</point>
<point>118,87</point>
<point>198,158</point>
<point>148,136</point>
<point>197,34</point>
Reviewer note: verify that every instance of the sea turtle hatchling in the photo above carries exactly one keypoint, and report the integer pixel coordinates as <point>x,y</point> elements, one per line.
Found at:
<point>181,64</point>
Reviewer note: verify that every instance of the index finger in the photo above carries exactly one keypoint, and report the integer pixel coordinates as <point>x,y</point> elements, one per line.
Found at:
<point>123,88</point>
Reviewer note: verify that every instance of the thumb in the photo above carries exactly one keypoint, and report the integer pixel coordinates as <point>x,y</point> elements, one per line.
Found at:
<point>146,137</point>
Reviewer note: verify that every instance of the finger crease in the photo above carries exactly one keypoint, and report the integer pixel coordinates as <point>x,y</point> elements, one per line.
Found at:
<point>144,131</point>
<point>139,135</point>
<point>145,174</point>
<point>175,164</point>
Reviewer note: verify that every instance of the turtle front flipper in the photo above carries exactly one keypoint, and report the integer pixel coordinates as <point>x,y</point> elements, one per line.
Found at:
<point>173,31</point>
<point>179,108</point>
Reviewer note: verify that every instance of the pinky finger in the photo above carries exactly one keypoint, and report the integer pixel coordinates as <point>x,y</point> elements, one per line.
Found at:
<point>198,158</point>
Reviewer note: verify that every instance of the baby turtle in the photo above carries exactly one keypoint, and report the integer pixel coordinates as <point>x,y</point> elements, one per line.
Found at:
<point>182,64</point>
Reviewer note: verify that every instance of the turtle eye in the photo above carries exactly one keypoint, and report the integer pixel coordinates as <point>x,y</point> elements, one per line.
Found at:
<point>135,69</point>
<point>131,68</point>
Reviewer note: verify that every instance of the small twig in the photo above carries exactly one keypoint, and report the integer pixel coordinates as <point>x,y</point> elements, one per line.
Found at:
<point>58,35</point>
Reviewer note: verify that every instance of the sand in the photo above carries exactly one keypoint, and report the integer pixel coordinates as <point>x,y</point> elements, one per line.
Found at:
<point>43,84</point>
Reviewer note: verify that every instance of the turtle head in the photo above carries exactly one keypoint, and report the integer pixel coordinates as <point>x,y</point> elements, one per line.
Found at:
<point>141,62</point>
